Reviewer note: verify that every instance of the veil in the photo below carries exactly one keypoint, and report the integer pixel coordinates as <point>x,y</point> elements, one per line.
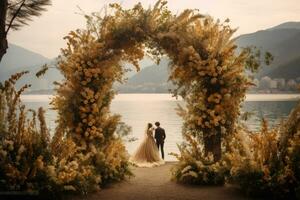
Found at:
<point>146,131</point>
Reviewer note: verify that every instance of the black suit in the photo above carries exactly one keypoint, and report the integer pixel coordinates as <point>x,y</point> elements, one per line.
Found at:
<point>160,137</point>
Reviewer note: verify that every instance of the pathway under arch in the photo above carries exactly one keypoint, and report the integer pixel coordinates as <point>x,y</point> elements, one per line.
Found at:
<point>155,184</point>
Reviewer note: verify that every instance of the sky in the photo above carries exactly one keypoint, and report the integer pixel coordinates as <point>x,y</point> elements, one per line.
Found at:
<point>45,34</point>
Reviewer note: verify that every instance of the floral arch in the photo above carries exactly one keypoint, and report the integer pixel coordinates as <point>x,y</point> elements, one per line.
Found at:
<point>205,68</point>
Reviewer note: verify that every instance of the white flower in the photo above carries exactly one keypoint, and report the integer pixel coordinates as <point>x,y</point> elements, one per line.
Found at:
<point>193,174</point>
<point>199,164</point>
<point>187,168</point>
<point>69,188</point>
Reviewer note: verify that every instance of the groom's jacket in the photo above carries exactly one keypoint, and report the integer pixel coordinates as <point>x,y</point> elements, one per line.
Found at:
<point>160,135</point>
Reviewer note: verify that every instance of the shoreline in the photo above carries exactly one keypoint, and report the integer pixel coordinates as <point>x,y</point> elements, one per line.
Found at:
<point>167,97</point>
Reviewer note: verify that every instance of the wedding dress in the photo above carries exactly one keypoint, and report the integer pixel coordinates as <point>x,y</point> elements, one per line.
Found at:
<point>147,154</point>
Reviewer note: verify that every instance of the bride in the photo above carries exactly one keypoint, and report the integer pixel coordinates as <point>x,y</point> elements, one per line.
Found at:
<point>147,154</point>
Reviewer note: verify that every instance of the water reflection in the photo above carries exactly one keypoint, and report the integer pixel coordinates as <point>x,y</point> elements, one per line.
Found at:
<point>138,110</point>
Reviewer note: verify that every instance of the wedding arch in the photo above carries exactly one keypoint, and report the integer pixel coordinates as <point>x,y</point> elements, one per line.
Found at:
<point>205,69</point>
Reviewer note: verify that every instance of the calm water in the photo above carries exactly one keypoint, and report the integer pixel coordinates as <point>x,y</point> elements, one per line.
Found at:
<point>139,109</point>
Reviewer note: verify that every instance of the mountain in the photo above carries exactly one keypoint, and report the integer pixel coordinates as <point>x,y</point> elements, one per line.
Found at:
<point>151,74</point>
<point>19,59</point>
<point>289,70</point>
<point>288,25</point>
<point>145,62</point>
<point>283,41</point>
<point>153,78</point>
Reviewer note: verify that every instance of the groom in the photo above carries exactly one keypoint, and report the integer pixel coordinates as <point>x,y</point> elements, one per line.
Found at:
<point>160,137</point>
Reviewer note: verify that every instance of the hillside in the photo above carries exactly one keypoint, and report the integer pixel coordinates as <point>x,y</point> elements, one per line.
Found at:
<point>289,70</point>
<point>284,44</point>
<point>283,41</point>
<point>17,57</point>
<point>150,79</point>
<point>151,74</point>
<point>288,25</point>
<point>20,59</point>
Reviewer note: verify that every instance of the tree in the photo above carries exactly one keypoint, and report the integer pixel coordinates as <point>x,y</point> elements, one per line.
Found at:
<point>16,13</point>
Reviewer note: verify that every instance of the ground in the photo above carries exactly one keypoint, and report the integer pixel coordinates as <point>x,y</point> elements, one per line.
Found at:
<point>155,184</point>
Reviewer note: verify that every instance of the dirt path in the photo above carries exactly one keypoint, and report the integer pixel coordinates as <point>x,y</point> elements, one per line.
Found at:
<point>155,184</point>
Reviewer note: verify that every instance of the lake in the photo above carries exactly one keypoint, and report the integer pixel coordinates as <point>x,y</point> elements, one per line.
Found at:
<point>139,109</point>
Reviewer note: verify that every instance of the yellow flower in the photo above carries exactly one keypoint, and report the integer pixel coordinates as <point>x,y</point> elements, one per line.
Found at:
<point>69,188</point>
<point>39,163</point>
<point>21,149</point>
<point>91,123</point>
<point>86,134</point>
<point>18,158</point>
<point>213,80</point>
<point>51,171</point>
<point>11,147</point>
<point>3,153</point>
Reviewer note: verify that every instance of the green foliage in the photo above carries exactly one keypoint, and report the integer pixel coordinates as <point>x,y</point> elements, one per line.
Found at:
<point>254,58</point>
<point>42,71</point>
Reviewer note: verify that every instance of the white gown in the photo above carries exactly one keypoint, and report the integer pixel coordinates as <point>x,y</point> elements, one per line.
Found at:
<point>147,154</point>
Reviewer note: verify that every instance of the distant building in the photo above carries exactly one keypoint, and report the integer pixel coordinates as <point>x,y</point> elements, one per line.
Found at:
<point>273,84</point>
<point>291,84</point>
<point>265,83</point>
<point>280,83</point>
<point>256,82</point>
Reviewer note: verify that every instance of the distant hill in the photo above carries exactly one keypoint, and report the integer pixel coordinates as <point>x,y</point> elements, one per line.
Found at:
<point>145,62</point>
<point>283,41</point>
<point>151,74</point>
<point>17,57</point>
<point>151,79</point>
<point>289,70</point>
<point>287,25</point>
<point>284,44</point>
<point>20,59</point>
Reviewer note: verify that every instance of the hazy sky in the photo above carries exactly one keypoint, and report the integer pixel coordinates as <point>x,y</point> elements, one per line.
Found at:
<point>44,35</point>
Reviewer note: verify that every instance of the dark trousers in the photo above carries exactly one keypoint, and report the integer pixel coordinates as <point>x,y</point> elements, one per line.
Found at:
<point>160,145</point>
